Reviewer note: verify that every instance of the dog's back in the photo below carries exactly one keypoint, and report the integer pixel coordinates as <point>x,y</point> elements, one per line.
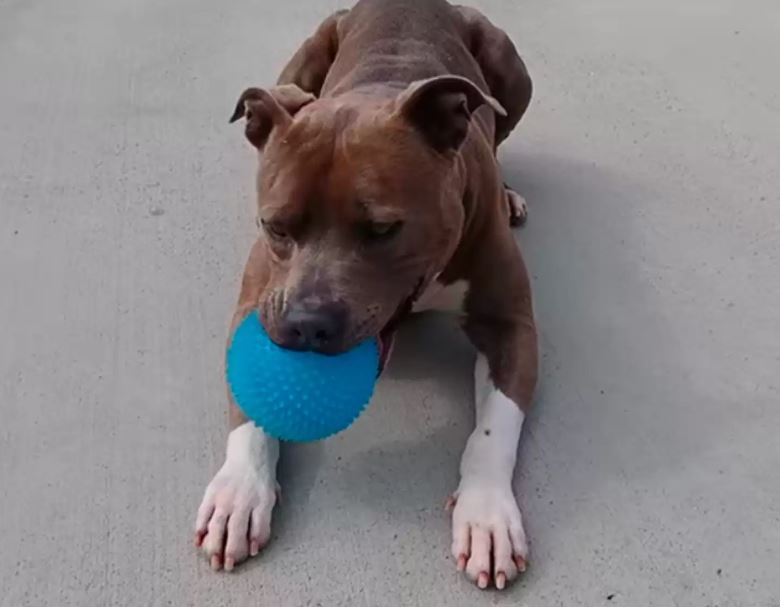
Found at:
<point>393,43</point>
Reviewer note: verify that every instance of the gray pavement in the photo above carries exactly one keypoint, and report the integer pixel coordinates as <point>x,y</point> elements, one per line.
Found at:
<point>650,471</point>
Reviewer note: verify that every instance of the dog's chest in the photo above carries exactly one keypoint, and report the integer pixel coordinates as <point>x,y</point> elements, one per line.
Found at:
<point>442,298</point>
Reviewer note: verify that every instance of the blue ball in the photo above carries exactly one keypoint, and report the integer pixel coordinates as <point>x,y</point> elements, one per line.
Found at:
<point>298,396</point>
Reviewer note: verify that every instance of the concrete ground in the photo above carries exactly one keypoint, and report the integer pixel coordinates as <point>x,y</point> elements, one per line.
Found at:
<point>650,471</point>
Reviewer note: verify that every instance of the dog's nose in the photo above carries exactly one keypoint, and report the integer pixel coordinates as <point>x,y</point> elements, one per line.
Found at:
<point>318,328</point>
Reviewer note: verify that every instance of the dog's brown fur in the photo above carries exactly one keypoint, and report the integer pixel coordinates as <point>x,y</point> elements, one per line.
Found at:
<point>391,112</point>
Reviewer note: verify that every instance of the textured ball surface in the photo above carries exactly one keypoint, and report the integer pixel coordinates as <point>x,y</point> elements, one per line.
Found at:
<point>298,396</point>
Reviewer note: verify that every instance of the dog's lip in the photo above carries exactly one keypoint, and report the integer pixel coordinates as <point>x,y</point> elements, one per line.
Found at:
<point>386,336</point>
<point>385,339</point>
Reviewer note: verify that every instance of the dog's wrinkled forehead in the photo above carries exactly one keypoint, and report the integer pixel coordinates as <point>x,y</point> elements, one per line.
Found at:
<point>344,161</point>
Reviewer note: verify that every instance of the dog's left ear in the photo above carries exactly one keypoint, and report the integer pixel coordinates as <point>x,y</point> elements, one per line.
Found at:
<point>441,108</point>
<point>265,110</point>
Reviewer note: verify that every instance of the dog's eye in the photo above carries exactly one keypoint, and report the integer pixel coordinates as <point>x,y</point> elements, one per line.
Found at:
<point>274,230</point>
<point>383,230</point>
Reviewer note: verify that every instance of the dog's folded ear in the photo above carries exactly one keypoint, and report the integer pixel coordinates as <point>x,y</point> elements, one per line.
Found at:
<point>265,110</point>
<point>441,108</point>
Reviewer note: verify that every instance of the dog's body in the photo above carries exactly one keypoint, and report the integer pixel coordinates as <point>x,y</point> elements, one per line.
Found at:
<point>379,186</point>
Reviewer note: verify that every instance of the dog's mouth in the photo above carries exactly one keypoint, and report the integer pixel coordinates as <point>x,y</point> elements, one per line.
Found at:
<point>386,337</point>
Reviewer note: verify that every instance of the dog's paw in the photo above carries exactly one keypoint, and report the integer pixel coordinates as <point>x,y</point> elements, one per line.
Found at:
<point>488,540</point>
<point>234,518</point>
<point>518,208</point>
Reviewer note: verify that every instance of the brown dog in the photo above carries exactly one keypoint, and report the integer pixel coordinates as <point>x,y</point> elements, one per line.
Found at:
<point>379,187</point>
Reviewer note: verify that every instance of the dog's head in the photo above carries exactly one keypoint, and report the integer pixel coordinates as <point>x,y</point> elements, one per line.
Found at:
<point>359,204</point>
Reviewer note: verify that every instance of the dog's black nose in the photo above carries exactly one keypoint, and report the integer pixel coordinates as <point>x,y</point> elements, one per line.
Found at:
<point>319,328</point>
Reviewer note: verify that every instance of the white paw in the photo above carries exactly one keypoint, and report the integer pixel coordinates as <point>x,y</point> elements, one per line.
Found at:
<point>234,518</point>
<point>518,208</point>
<point>488,541</point>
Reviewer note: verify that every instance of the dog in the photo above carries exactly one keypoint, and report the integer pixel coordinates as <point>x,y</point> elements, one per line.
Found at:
<point>379,191</point>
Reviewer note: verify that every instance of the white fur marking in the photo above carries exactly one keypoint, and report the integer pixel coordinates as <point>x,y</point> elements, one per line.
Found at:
<point>486,522</point>
<point>492,447</point>
<point>249,444</point>
<point>442,298</point>
<point>239,499</point>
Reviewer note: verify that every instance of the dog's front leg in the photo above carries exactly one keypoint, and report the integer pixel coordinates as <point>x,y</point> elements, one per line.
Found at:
<point>234,518</point>
<point>488,540</point>
<point>487,528</point>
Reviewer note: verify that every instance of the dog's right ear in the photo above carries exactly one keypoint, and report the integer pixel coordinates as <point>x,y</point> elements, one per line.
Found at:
<point>266,110</point>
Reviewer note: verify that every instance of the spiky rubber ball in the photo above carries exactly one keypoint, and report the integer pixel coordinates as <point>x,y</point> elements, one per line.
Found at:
<point>298,396</point>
